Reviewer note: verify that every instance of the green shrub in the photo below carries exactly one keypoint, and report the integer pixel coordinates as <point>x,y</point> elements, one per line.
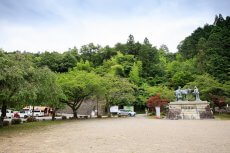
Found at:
<point>63,117</point>
<point>16,121</point>
<point>6,123</point>
<point>31,119</point>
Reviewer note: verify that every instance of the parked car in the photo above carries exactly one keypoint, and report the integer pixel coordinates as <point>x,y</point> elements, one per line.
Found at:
<point>38,113</point>
<point>24,114</point>
<point>27,111</point>
<point>9,113</point>
<point>123,112</point>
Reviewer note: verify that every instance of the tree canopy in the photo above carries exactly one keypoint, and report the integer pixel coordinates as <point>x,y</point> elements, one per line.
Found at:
<point>126,74</point>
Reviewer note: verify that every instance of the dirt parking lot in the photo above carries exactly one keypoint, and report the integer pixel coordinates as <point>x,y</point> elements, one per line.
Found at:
<point>125,135</point>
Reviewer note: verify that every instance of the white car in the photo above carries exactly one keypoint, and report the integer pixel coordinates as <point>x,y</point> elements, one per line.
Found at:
<point>38,113</point>
<point>123,112</point>
<point>24,114</point>
<point>9,113</point>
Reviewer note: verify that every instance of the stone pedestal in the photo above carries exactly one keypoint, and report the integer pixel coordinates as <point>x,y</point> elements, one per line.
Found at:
<point>191,110</point>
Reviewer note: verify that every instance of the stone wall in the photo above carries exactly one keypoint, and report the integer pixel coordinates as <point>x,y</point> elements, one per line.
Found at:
<point>86,108</point>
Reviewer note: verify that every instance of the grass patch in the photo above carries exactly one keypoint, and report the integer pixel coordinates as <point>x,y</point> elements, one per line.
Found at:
<point>28,127</point>
<point>222,116</point>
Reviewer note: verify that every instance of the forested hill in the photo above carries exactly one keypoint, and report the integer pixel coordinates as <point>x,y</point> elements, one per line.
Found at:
<point>138,69</point>
<point>210,46</point>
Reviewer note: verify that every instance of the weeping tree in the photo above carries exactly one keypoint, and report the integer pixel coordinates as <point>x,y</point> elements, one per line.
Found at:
<point>49,92</point>
<point>41,89</point>
<point>21,84</point>
<point>14,80</point>
<point>78,86</point>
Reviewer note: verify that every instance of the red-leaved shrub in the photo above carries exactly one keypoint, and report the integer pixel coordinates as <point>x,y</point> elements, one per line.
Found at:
<point>156,100</point>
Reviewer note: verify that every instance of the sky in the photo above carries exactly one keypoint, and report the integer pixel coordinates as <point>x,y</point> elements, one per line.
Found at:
<point>57,25</point>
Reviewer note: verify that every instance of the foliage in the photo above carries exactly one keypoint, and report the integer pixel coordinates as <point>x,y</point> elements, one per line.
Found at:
<point>21,83</point>
<point>16,121</point>
<point>77,86</point>
<point>88,52</point>
<point>163,91</point>
<point>134,75</point>
<point>156,101</point>
<point>210,45</point>
<point>118,91</point>
<point>64,118</point>
<point>83,66</point>
<point>58,62</point>
<point>6,123</point>
<point>31,119</point>
<point>209,86</point>
<point>15,74</point>
<point>218,101</point>
<point>126,74</point>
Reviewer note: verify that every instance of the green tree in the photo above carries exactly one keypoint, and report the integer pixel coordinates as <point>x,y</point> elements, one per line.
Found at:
<point>14,78</point>
<point>77,86</point>
<point>118,91</point>
<point>83,66</point>
<point>50,93</point>
<point>164,92</point>
<point>135,73</point>
<point>57,62</point>
<point>88,52</point>
<point>210,45</point>
<point>149,57</point>
<point>208,86</point>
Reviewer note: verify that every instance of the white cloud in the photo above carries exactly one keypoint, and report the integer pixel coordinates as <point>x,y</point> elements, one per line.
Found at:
<point>75,28</point>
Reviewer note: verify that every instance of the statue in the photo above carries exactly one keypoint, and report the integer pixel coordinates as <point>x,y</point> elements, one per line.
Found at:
<point>196,92</point>
<point>181,94</point>
<point>178,94</point>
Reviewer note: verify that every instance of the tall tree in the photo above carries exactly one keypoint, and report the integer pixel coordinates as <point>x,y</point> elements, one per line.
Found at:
<point>118,91</point>
<point>15,77</point>
<point>77,86</point>
<point>135,73</point>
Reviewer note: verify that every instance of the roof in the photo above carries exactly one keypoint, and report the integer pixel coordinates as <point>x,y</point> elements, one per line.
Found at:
<point>42,108</point>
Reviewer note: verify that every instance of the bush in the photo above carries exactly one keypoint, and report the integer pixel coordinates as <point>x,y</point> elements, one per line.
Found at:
<point>6,123</point>
<point>152,114</point>
<point>31,119</point>
<point>63,117</point>
<point>16,115</point>
<point>16,121</point>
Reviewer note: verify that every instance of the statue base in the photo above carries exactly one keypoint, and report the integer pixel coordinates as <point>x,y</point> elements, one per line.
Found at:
<point>189,110</point>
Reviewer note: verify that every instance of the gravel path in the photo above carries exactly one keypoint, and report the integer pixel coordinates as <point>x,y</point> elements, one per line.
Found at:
<point>125,135</point>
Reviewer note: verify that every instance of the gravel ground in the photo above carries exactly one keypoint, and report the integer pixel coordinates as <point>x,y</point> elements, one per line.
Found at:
<point>125,135</point>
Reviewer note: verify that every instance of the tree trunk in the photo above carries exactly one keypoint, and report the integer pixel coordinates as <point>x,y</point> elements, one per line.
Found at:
<point>1,122</point>
<point>97,107</point>
<point>53,114</point>
<point>108,111</point>
<point>74,113</point>
<point>3,115</point>
<point>33,112</point>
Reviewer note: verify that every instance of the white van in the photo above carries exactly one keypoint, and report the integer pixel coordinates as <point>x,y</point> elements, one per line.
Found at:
<point>38,113</point>
<point>28,111</point>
